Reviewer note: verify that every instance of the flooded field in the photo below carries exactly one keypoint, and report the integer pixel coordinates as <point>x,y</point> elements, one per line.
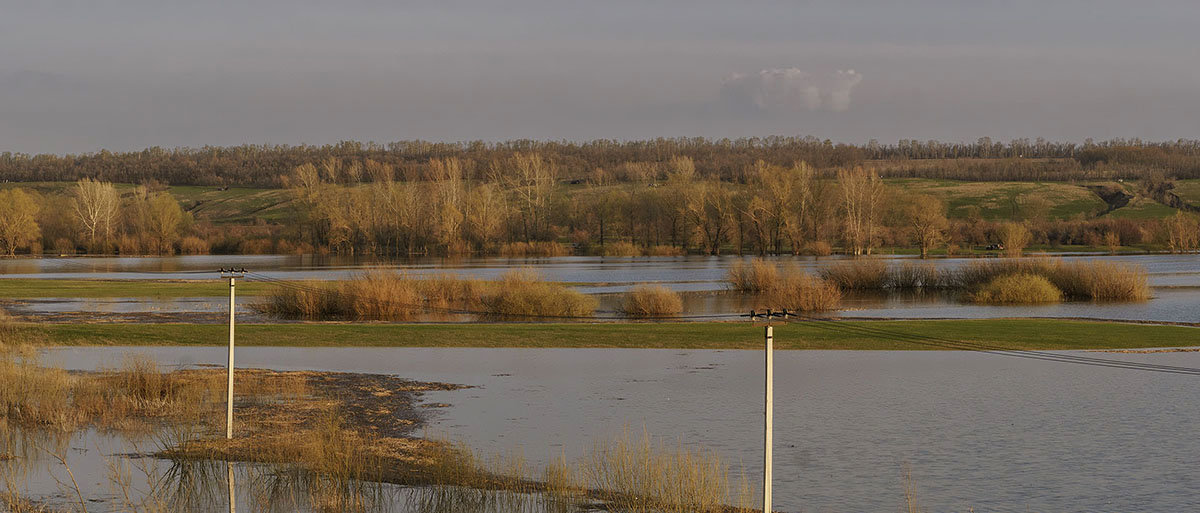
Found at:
<point>847,423</point>
<point>1174,281</point>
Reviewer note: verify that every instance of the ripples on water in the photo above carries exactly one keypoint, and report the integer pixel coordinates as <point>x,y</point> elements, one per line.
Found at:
<point>1175,278</point>
<point>977,430</point>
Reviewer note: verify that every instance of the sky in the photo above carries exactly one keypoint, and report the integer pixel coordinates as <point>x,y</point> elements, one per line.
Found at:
<point>80,76</point>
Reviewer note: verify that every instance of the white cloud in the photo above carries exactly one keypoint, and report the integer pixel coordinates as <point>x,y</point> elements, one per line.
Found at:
<point>792,89</point>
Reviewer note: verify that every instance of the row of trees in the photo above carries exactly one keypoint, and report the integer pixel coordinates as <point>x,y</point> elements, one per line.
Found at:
<point>95,218</point>
<point>524,200</point>
<point>722,159</point>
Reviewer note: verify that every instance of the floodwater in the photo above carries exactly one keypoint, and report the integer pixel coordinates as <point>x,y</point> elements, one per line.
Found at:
<point>1175,280</point>
<point>979,431</point>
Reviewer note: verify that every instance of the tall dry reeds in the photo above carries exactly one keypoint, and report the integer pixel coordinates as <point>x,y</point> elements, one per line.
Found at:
<point>1089,280</point>
<point>1022,288</point>
<point>637,474</point>
<point>792,288</point>
<point>534,249</point>
<point>858,274</point>
<point>397,296</point>
<point>757,276</point>
<point>522,293</point>
<point>646,301</point>
<point>621,249</point>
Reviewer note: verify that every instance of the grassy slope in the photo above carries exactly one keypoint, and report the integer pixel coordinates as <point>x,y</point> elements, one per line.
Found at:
<point>995,199</point>
<point>1008,333</point>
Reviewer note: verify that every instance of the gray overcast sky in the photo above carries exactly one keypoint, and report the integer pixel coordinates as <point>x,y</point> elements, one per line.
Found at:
<point>84,75</point>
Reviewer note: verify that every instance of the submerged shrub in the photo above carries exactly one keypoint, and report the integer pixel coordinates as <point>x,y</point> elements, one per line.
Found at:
<point>652,301</point>
<point>621,249</point>
<point>758,276</point>
<point>1020,288</point>
<point>793,288</point>
<point>523,293</point>
<point>858,274</point>
<point>803,292</point>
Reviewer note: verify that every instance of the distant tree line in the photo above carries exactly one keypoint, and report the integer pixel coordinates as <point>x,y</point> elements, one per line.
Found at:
<point>721,159</point>
<point>520,206</point>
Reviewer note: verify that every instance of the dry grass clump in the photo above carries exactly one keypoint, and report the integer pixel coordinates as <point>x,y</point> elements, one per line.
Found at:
<point>792,289</point>
<point>803,292</point>
<point>523,293</point>
<point>652,301</point>
<point>818,248</point>
<point>858,274</point>
<point>621,249</point>
<point>1103,281</point>
<point>534,249</point>
<point>396,296</point>
<point>1021,288</point>
<point>664,251</point>
<point>1091,280</point>
<point>910,275</point>
<point>639,475</point>
<point>758,276</point>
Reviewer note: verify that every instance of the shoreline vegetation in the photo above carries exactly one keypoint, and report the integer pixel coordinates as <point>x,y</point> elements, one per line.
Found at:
<point>327,440</point>
<point>780,195</point>
<point>1016,334</point>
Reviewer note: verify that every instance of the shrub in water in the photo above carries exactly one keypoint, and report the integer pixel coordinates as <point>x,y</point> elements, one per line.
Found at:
<point>652,301</point>
<point>1022,288</point>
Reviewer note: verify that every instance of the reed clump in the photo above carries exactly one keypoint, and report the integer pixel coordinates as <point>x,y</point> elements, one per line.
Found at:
<point>522,293</point>
<point>803,292</point>
<point>1088,280</point>
<point>397,296</point>
<point>534,249</point>
<point>757,276</point>
<point>621,249</point>
<point>792,288</point>
<point>637,474</point>
<point>1021,288</point>
<point>860,274</point>
<point>645,301</point>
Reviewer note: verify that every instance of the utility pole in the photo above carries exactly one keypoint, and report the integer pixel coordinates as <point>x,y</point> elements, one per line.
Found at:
<point>768,401</point>
<point>232,275</point>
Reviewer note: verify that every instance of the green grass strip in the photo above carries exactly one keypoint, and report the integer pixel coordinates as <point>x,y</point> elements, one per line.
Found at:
<point>1008,333</point>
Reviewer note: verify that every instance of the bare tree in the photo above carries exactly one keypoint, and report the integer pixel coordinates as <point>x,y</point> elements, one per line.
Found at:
<point>18,221</point>
<point>927,215</point>
<point>1183,230</point>
<point>1015,237</point>
<point>96,205</point>
<point>862,191</point>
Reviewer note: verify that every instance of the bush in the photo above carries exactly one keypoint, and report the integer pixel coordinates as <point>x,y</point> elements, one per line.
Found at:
<point>1020,288</point>
<point>858,274</point>
<point>758,276</point>
<point>803,292</point>
<point>621,249</point>
<point>664,251</point>
<point>915,276</point>
<point>1102,281</point>
<point>652,301</point>
<point>818,248</point>
<point>533,249</point>
<point>523,293</point>
<point>1082,279</point>
<point>193,246</point>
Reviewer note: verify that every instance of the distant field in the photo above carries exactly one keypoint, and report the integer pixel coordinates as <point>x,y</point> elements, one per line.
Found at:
<point>236,205</point>
<point>999,200</point>
<point>1025,334</point>
<point>1142,207</point>
<point>996,201</point>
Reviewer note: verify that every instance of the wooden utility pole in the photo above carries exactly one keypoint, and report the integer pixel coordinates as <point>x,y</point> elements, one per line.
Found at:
<point>768,401</point>
<point>768,414</point>
<point>232,275</point>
